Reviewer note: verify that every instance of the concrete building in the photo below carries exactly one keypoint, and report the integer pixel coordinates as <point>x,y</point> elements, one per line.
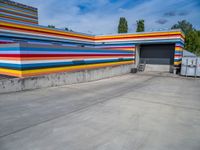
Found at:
<point>28,49</point>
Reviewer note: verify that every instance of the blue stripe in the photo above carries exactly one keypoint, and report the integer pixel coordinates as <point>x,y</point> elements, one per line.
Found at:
<point>45,27</point>
<point>19,13</point>
<point>18,8</point>
<point>29,50</point>
<point>40,38</point>
<point>116,44</point>
<point>59,64</point>
<point>178,52</point>
<point>20,17</point>
<point>43,40</point>
<point>178,59</point>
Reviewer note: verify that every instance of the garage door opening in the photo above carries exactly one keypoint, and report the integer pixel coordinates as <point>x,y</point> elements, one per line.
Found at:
<point>157,57</point>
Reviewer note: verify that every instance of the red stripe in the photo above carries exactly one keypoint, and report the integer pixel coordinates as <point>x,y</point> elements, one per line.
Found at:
<point>1,42</point>
<point>117,47</point>
<point>179,46</point>
<point>178,55</point>
<point>21,19</point>
<point>44,32</point>
<point>60,55</point>
<point>18,14</point>
<point>138,37</point>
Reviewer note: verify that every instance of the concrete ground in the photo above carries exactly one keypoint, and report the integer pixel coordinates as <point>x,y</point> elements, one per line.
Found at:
<point>130,112</point>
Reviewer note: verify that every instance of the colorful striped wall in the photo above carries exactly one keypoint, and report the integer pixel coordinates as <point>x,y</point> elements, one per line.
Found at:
<point>35,33</point>
<point>18,12</point>
<point>29,50</point>
<point>23,59</point>
<point>178,54</point>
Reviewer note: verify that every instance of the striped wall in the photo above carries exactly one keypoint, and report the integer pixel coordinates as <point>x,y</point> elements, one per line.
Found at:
<point>41,50</point>
<point>25,59</point>
<point>38,33</point>
<point>18,12</point>
<point>178,54</point>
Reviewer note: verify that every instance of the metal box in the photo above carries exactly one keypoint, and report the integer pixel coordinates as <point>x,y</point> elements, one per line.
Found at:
<point>198,67</point>
<point>190,66</point>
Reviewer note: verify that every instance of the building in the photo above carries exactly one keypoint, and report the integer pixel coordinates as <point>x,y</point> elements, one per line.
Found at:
<point>18,12</point>
<point>31,49</point>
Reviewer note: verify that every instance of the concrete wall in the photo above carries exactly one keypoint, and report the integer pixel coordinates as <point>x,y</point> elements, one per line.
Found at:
<point>19,84</point>
<point>137,55</point>
<point>160,68</point>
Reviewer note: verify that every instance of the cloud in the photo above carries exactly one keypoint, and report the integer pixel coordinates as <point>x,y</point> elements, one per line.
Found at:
<point>183,13</point>
<point>174,13</point>
<point>102,16</point>
<point>161,21</point>
<point>170,14</point>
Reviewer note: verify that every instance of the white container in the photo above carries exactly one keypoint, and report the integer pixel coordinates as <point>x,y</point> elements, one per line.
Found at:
<point>198,67</point>
<point>190,66</point>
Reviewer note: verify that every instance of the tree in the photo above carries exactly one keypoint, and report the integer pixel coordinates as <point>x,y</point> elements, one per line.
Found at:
<point>191,41</point>
<point>140,26</point>
<point>192,36</point>
<point>184,25</point>
<point>51,26</point>
<point>66,29</point>
<point>123,25</point>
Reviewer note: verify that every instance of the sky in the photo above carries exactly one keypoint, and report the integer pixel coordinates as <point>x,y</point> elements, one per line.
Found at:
<point>102,16</point>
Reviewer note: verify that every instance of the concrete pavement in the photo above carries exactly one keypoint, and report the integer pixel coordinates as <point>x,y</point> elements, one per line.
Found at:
<point>134,111</point>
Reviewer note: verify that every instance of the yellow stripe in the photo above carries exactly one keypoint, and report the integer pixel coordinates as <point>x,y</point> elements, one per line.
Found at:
<point>18,6</point>
<point>72,67</point>
<point>177,63</point>
<point>24,12</point>
<point>178,49</point>
<point>41,29</point>
<point>10,72</point>
<point>19,19</point>
<point>25,73</point>
<point>143,34</point>
<point>84,36</point>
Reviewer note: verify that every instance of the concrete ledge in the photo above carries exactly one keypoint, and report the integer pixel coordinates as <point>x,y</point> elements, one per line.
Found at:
<point>160,68</point>
<point>20,84</point>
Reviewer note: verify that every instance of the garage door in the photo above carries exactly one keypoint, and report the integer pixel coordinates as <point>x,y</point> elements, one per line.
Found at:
<point>157,53</point>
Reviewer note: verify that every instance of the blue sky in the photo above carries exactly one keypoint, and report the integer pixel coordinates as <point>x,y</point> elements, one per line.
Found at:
<point>102,16</point>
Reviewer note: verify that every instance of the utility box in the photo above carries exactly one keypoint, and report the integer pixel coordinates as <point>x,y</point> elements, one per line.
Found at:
<point>198,67</point>
<point>190,66</point>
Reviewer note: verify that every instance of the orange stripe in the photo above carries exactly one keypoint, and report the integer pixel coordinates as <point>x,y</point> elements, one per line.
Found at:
<point>138,37</point>
<point>52,58</point>
<point>69,70</point>
<point>17,19</point>
<point>11,74</point>
<point>46,30</point>
<point>38,33</point>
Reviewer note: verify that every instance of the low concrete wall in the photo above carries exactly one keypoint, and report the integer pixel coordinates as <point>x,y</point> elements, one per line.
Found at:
<point>160,68</point>
<point>19,84</point>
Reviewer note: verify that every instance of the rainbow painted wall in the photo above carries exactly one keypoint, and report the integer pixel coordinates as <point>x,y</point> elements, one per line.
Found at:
<point>28,49</point>
<point>18,12</point>
<point>23,59</point>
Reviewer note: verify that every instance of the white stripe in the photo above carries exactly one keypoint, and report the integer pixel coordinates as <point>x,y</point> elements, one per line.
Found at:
<point>52,61</point>
<point>48,36</point>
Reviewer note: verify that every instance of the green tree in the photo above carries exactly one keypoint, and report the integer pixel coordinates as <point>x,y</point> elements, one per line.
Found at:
<point>66,29</point>
<point>198,32</point>
<point>192,36</point>
<point>140,26</point>
<point>51,26</point>
<point>123,25</point>
<point>191,41</point>
<point>184,25</point>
